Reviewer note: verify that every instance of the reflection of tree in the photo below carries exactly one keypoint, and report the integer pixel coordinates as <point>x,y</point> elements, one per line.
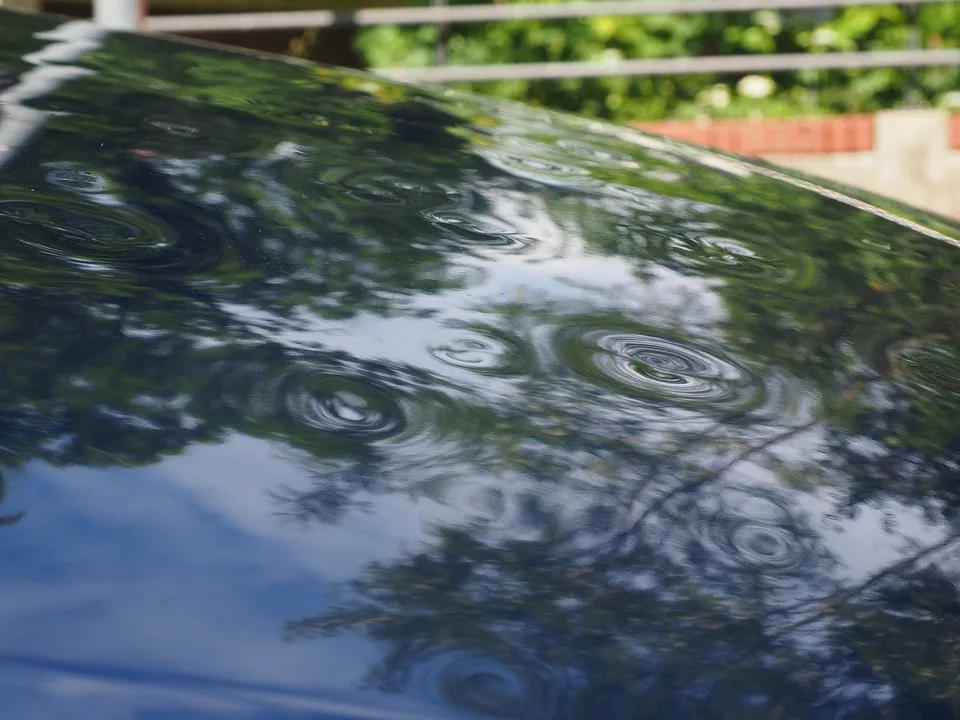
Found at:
<point>520,628</point>
<point>598,632</point>
<point>220,239</point>
<point>195,277</point>
<point>531,633</point>
<point>908,633</point>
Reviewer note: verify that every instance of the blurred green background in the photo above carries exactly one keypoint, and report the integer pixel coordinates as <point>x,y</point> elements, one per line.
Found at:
<point>808,92</point>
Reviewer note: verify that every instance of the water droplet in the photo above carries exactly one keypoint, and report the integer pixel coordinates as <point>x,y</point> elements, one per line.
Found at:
<point>762,546</point>
<point>691,248</point>
<point>505,687</point>
<point>540,163</point>
<point>670,370</point>
<point>719,532</point>
<point>473,231</point>
<point>424,438</point>
<point>95,237</point>
<point>386,188</point>
<point>486,351</point>
<point>467,353</point>
<point>488,504</point>
<point>76,180</point>
<point>339,411</point>
<point>312,396</point>
<point>932,367</point>
<point>591,152</point>
<point>178,129</point>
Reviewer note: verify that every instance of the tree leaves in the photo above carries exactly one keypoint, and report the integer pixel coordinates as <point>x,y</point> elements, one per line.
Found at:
<point>881,27</point>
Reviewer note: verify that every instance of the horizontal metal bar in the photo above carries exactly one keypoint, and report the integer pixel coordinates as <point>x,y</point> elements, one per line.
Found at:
<point>444,15</point>
<point>676,66</point>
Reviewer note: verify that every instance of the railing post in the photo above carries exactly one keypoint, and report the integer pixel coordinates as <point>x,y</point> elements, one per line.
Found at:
<point>913,96</point>
<point>440,51</point>
<point>120,14</point>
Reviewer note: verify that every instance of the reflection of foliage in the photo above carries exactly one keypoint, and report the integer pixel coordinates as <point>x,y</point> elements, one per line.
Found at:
<point>235,229</point>
<point>525,628</point>
<point>260,206</point>
<point>651,651</point>
<point>908,633</point>
<point>408,296</point>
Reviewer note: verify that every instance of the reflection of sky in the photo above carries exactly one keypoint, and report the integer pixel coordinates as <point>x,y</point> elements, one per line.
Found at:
<point>557,274</point>
<point>167,588</point>
<point>684,304</point>
<point>174,583</point>
<point>860,545</point>
<point>181,568</point>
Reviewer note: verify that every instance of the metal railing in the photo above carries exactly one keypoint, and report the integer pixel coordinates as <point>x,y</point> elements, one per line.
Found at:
<point>442,15</point>
<point>120,14</point>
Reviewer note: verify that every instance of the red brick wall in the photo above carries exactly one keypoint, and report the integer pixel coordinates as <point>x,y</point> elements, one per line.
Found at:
<point>842,134</point>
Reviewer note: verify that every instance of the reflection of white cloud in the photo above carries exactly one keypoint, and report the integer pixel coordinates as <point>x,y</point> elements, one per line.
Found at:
<point>52,690</point>
<point>239,494</point>
<point>553,271</point>
<point>185,568</point>
<point>860,545</point>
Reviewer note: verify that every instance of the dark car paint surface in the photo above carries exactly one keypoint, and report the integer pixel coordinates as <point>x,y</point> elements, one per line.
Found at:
<point>326,397</point>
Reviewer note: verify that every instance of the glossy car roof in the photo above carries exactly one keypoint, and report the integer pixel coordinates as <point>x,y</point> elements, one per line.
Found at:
<point>325,396</point>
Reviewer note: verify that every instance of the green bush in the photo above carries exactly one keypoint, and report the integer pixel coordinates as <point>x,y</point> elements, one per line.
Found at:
<point>882,27</point>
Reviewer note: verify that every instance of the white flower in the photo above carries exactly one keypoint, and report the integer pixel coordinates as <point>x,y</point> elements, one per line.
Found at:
<point>824,37</point>
<point>611,56</point>
<point>950,100</point>
<point>768,19</point>
<point>756,86</point>
<point>719,96</point>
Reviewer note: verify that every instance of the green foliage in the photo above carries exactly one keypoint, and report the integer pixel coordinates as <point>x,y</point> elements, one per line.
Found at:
<point>597,39</point>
